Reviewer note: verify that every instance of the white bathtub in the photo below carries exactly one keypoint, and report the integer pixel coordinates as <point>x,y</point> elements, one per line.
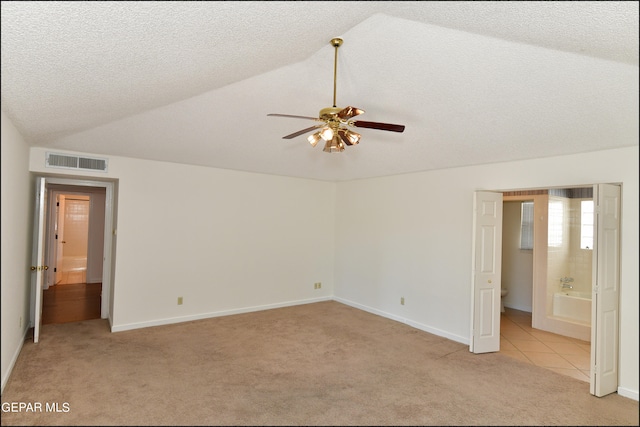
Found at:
<point>573,305</point>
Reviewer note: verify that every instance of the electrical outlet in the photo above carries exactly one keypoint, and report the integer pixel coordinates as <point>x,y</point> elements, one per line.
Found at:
<point>317,285</point>
<point>179,300</point>
<point>401,300</point>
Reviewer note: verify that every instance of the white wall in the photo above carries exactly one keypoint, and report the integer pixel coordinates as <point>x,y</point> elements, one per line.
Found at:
<point>517,264</point>
<point>225,241</point>
<point>410,236</point>
<point>230,241</point>
<point>17,214</point>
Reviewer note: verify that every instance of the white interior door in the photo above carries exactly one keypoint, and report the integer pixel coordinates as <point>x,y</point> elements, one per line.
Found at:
<point>487,262</point>
<point>38,266</point>
<point>59,236</point>
<point>606,290</point>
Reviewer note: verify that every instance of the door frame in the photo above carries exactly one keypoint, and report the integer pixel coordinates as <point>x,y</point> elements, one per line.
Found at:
<point>595,347</point>
<point>106,311</point>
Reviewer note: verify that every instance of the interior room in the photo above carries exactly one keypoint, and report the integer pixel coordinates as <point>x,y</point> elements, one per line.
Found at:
<point>238,158</point>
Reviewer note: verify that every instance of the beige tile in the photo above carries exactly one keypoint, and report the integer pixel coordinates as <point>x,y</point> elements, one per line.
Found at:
<point>529,345</point>
<point>580,361</point>
<point>565,348</point>
<point>515,354</point>
<point>586,372</point>
<point>565,355</point>
<point>548,360</point>
<point>518,334</point>
<point>585,347</point>
<point>580,342</point>
<point>549,337</point>
<point>508,326</point>
<point>526,328</point>
<point>506,345</point>
<point>575,373</point>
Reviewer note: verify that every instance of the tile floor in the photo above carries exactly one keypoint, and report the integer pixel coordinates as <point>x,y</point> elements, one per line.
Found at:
<point>568,356</point>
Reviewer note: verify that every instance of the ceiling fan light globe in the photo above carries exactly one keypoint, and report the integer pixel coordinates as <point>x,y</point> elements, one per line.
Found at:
<point>327,134</point>
<point>334,146</point>
<point>353,137</point>
<point>313,139</point>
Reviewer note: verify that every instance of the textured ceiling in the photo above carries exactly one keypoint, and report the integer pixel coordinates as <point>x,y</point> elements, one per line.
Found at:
<point>193,82</point>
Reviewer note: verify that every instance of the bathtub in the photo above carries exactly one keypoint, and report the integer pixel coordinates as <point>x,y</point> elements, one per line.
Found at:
<point>573,305</point>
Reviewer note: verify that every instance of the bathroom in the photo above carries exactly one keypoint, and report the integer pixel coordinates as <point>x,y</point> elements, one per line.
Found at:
<point>547,258</point>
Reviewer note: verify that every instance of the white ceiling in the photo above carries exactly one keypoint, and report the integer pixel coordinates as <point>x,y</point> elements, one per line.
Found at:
<point>192,82</point>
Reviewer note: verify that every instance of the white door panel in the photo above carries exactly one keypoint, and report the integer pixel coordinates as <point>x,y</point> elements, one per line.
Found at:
<point>606,290</point>
<point>487,258</point>
<point>38,266</point>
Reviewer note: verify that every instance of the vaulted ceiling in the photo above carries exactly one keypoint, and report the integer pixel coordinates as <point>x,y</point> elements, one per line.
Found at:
<point>193,82</point>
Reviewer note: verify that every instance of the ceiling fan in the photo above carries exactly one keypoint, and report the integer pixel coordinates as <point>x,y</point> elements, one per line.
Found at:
<point>335,120</point>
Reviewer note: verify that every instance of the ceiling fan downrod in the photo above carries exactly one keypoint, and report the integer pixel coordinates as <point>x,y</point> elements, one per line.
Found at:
<point>335,42</point>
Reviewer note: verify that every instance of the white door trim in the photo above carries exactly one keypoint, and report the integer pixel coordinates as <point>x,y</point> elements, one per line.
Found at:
<point>109,233</point>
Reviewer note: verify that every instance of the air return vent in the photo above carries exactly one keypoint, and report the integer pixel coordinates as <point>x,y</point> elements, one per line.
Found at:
<point>66,161</point>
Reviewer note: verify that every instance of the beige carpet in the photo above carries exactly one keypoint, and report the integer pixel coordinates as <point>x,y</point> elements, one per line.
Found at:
<point>317,364</point>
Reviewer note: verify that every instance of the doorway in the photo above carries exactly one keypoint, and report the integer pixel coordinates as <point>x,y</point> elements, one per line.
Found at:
<point>547,264</point>
<point>94,276</point>
<point>71,235</point>
<point>75,240</point>
<point>605,291</point>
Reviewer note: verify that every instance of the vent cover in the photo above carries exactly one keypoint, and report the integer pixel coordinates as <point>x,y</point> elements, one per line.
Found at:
<point>66,161</point>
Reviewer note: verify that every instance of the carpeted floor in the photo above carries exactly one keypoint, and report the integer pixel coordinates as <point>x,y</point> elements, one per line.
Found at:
<point>316,364</point>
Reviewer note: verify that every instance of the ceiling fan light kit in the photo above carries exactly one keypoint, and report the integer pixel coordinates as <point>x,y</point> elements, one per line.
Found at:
<point>334,130</point>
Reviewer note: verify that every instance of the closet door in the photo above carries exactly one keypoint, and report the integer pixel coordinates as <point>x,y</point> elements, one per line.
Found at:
<point>487,263</point>
<point>606,290</point>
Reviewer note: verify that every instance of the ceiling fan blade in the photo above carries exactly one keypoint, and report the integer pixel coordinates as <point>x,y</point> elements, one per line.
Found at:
<point>349,112</point>
<point>300,132</point>
<point>295,117</point>
<point>377,125</point>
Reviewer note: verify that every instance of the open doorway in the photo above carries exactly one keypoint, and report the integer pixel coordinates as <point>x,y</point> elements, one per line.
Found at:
<point>71,235</point>
<point>547,258</point>
<point>43,254</point>
<point>605,289</point>
<point>74,240</point>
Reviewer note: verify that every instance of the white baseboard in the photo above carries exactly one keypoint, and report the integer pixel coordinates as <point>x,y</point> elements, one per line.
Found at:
<point>422,327</point>
<point>14,358</point>
<point>625,392</point>
<point>170,321</point>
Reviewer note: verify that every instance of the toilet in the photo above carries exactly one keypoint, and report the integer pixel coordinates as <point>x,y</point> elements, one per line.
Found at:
<point>503,293</point>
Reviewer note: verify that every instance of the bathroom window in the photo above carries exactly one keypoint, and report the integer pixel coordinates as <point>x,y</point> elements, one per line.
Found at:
<point>526,225</point>
<point>556,223</point>
<point>586,224</point>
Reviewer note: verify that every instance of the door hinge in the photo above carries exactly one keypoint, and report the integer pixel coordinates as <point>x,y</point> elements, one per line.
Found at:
<point>55,269</point>
<point>56,237</point>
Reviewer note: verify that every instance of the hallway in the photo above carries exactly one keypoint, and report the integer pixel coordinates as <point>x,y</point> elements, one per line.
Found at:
<point>71,303</point>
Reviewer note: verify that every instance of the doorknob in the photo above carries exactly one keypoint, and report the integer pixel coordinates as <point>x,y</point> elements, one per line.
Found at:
<point>33,268</point>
